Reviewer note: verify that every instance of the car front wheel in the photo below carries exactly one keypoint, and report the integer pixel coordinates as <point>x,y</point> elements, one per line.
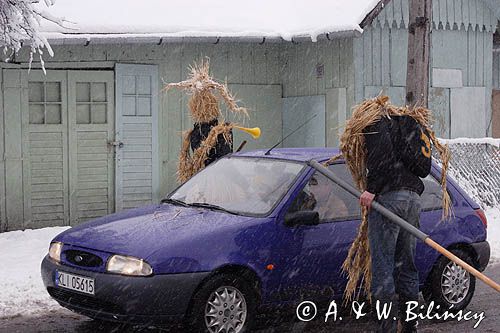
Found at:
<point>449,285</point>
<point>224,304</point>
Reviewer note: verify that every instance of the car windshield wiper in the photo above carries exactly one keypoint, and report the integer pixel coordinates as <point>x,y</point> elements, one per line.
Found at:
<point>174,201</point>
<point>211,206</point>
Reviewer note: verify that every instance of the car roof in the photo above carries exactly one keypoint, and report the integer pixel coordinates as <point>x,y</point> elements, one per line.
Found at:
<point>323,154</point>
<point>293,154</point>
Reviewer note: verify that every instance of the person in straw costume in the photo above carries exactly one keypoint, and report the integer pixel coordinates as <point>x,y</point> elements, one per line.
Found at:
<point>210,138</point>
<point>381,257</point>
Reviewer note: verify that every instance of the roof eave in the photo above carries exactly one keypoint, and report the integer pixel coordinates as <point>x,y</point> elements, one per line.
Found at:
<point>374,13</point>
<point>66,39</point>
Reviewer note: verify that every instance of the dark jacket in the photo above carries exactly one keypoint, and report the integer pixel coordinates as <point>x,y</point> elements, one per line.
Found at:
<point>386,171</point>
<point>200,133</point>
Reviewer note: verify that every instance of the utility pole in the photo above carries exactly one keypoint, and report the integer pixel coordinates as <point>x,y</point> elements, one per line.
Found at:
<point>419,47</point>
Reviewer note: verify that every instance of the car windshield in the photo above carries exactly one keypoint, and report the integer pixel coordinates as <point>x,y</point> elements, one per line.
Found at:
<point>248,186</point>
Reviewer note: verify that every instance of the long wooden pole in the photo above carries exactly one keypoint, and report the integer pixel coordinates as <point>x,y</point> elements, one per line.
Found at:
<point>419,47</point>
<point>406,226</point>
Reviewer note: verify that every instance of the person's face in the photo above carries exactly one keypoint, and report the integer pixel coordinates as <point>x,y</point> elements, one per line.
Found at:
<point>318,187</point>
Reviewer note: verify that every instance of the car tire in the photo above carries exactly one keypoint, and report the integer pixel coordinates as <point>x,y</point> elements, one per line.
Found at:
<point>449,285</point>
<point>232,296</point>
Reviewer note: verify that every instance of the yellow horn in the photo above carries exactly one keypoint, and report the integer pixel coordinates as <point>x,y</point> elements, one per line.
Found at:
<point>254,132</point>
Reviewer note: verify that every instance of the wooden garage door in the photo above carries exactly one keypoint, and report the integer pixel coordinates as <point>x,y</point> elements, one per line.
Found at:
<point>45,150</point>
<point>137,169</point>
<point>68,165</point>
<point>91,167</point>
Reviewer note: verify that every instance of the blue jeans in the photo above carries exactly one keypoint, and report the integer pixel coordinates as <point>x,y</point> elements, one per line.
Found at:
<point>392,252</point>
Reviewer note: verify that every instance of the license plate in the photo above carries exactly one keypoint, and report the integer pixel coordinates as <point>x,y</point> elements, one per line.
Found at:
<point>75,282</point>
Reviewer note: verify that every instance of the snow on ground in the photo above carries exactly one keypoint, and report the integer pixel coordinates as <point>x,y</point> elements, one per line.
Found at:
<point>493,217</point>
<point>21,286</point>
<point>21,252</point>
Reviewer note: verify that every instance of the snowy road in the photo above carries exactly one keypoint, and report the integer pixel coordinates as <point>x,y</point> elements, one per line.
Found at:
<point>26,307</point>
<point>62,320</point>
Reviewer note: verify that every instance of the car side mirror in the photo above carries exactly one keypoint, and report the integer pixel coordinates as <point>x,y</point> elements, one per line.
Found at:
<point>302,217</point>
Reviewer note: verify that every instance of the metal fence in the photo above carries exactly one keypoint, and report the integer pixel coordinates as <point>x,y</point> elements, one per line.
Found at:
<point>475,166</point>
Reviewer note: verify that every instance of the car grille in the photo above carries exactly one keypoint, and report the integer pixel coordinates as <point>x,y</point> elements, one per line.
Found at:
<point>83,301</point>
<point>82,258</point>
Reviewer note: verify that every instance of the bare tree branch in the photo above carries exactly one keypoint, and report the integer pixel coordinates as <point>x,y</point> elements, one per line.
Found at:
<point>20,22</point>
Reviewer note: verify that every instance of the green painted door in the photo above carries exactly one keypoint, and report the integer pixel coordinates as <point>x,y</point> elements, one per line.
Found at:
<point>45,149</point>
<point>137,163</point>
<point>68,163</point>
<point>91,153</point>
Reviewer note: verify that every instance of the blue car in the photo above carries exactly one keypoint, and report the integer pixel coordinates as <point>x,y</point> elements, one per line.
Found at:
<point>247,235</point>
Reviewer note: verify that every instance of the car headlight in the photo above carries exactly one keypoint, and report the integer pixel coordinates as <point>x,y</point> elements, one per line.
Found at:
<point>55,251</point>
<point>128,266</point>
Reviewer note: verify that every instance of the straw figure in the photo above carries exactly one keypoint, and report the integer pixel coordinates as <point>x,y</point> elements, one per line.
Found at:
<point>211,137</point>
<point>357,265</point>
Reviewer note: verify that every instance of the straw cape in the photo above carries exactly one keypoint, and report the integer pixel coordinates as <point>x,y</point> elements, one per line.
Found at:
<point>204,108</point>
<point>357,265</point>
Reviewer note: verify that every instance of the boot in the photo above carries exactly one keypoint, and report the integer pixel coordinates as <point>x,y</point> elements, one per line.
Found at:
<point>410,327</point>
<point>403,325</point>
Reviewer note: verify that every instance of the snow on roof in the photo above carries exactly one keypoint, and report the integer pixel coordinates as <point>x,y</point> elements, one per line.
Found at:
<point>201,18</point>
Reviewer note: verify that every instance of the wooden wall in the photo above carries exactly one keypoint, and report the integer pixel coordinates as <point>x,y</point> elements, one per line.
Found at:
<point>495,104</point>
<point>300,77</point>
<point>335,79</point>
<point>241,64</point>
<point>2,161</point>
<point>496,68</point>
<point>461,57</point>
<point>447,14</point>
<point>13,201</point>
<point>495,124</point>
<point>345,70</point>
<point>376,62</point>
<point>471,52</point>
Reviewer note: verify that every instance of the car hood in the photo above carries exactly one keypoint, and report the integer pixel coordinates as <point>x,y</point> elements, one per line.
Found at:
<point>142,231</point>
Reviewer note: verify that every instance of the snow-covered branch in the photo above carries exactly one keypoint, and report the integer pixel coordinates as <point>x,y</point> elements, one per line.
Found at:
<point>20,22</point>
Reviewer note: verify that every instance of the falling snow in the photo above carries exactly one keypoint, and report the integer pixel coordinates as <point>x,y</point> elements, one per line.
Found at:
<point>21,252</point>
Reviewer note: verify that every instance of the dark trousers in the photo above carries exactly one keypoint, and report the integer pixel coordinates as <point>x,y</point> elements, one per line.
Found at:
<point>392,252</point>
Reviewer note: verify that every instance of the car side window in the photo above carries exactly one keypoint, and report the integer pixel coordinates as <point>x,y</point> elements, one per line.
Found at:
<point>432,195</point>
<point>322,195</point>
